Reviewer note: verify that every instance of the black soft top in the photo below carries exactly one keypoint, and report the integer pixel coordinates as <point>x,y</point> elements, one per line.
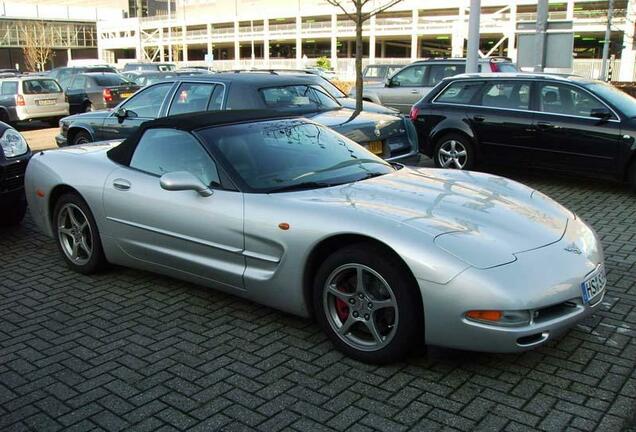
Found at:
<point>188,122</point>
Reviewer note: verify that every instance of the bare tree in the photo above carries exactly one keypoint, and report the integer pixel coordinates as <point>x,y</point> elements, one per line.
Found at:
<point>358,16</point>
<point>37,45</point>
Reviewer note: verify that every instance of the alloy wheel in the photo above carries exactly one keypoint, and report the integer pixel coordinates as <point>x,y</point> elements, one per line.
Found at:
<point>452,154</point>
<point>74,234</point>
<point>360,307</point>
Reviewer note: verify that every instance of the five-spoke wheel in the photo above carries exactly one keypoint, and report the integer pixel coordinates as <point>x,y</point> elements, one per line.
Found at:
<point>74,234</point>
<point>77,235</point>
<point>367,303</point>
<point>454,151</point>
<point>361,307</point>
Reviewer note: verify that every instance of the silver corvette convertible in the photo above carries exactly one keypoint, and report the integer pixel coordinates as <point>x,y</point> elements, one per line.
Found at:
<point>291,214</point>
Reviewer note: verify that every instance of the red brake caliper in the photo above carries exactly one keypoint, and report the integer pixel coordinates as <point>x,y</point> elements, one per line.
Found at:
<point>342,309</point>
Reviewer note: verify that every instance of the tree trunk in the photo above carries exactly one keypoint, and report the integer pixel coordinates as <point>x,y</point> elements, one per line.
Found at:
<point>359,55</point>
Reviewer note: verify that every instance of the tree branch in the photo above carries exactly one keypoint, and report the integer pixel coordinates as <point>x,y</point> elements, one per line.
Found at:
<point>379,9</point>
<point>338,4</point>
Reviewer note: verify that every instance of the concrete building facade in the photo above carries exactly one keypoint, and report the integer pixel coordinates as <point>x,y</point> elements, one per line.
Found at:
<point>290,33</point>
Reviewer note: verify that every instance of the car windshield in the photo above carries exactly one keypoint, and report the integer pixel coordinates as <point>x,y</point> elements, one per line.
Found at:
<point>41,86</point>
<point>300,97</point>
<point>621,100</point>
<point>290,154</point>
<point>110,80</point>
<point>506,67</point>
<point>375,72</point>
<point>334,91</point>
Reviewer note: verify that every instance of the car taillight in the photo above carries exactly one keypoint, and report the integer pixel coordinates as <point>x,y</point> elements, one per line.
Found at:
<point>108,95</point>
<point>415,112</point>
<point>19,100</point>
<point>494,67</point>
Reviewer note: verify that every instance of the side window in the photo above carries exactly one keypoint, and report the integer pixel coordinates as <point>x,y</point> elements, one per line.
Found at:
<point>216,101</point>
<point>161,151</point>
<point>147,103</point>
<point>410,77</point>
<point>441,71</point>
<point>459,92</point>
<point>79,83</point>
<point>565,99</point>
<point>9,88</point>
<point>191,97</point>
<point>506,94</point>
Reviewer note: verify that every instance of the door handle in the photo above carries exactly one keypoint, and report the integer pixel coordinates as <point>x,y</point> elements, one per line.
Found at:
<point>121,184</point>
<point>415,92</point>
<point>478,118</point>
<point>546,125</point>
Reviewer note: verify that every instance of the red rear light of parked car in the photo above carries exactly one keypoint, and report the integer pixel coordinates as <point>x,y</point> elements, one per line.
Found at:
<point>415,111</point>
<point>108,95</point>
<point>19,100</point>
<point>494,67</point>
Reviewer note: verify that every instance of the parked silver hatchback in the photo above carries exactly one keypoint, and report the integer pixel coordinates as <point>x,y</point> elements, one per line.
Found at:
<point>30,98</point>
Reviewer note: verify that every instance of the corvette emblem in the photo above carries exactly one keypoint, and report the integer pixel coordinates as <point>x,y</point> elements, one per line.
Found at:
<point>573,249</point>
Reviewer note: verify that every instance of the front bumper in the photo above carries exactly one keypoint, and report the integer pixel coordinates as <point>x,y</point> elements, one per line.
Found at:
<point>59,110</point>
<point>545,281</point>
<point>60,140</point>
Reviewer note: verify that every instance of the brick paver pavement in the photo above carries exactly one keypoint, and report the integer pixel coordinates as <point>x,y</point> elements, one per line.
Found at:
<point>131,350</point>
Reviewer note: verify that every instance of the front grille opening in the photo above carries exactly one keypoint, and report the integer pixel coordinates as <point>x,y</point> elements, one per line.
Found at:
<point>554,311</point>
<point>529,340</point>
<point>13,176</point>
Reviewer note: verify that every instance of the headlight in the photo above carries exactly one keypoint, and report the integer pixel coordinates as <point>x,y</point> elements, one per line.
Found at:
<point>13,144</point>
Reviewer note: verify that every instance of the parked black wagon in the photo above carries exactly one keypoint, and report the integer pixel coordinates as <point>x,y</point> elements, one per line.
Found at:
<point>549,121</point>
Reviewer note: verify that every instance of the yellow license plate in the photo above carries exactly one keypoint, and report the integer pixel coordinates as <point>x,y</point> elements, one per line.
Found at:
<point>375,147</point>
<point>125,95</point>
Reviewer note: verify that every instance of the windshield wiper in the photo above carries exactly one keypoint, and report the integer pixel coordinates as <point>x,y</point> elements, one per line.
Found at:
<point>370,175</point>
<point>302,186</point>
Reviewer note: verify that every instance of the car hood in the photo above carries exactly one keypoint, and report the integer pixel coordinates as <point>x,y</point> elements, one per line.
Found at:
<point>360,127</point>
<point>481,219</point>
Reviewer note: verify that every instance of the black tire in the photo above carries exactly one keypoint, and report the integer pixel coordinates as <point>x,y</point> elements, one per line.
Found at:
<point>461,144</point>
<point>85,262</point>
<point>82,137</point>
<point>407,330</point>
<point>87,107</point>
<point>54,122</point>
<point>14,214</point>
<point>631,176</point>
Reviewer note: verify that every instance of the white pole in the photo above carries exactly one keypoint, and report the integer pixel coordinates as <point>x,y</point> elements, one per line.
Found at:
<point>606,42</point>
<point>542,27</point>
<point>472,57</point>
<point>170,31</point>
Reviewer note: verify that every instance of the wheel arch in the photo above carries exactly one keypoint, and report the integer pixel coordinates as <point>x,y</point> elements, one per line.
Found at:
<point>330,245</point>
<point>55,195</point>
<point>440,132</point>
<point>73,130</point>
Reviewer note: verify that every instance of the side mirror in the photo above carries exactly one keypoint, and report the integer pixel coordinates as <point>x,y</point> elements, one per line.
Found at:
<point>387,82</point>
<point>601,113</point>
<point>121,113</point>
<point>183,180</point>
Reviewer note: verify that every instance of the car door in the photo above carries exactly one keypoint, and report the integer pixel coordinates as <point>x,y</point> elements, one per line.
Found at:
<point>502,122</point>
<point>569,136</point>
<point>76,94</point>
<point>405,88</point>
<point>182,231</point>
<point>143,106</point>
